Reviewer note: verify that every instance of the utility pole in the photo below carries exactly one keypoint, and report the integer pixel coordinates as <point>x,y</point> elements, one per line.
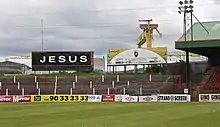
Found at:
<point>42,34</point>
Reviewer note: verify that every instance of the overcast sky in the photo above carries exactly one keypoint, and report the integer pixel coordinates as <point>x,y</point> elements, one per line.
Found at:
<point>96,25</point>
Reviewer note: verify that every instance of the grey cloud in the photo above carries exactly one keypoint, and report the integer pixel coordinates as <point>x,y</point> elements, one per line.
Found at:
<point>82,25</point>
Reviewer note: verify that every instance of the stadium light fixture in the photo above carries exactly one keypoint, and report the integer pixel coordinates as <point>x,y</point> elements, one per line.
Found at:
<point>181,2</point>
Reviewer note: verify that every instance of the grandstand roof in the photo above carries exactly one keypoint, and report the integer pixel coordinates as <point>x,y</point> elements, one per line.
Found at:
<point>200,34</point>
<point>203,43</point>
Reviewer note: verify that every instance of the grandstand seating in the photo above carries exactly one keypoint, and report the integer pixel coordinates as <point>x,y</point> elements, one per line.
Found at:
<point>86,84</point>
<point>213,82</point>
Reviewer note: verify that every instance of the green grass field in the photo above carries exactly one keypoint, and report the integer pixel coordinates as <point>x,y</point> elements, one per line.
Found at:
<point>110,115</point>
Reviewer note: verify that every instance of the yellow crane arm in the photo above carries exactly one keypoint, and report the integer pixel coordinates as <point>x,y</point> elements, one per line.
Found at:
<point>141,40</point>
<point>160,34</point>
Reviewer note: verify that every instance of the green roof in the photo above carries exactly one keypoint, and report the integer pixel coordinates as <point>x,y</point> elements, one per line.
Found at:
<point>201,34</point>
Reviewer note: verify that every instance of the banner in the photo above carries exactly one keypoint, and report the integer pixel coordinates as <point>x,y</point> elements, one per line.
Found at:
<point>94,98</point>
<point>112,53</point>
<point>108,98</point>
<point>130,99</point>
<point>162,51</point>
<point>152,98</point>
<point>215,97</point>
<point>6,99</point>
<point>126,98</point>
<point>61,98</point>
<point>119,98</point>
<point>209,97</point>
<point>22,98</point>
<point>174,98</point>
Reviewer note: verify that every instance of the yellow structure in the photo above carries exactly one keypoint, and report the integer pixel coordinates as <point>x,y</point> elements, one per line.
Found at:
<point>147,34</point>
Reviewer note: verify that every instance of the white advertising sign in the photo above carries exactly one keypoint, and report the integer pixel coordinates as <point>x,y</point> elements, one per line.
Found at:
<point>152,98</point>
<point>174,98</point>
<point>130,99</point>
<point>94,98</point>
<point>209,97</point>
<point>126,98</point>
<point>119,98</point>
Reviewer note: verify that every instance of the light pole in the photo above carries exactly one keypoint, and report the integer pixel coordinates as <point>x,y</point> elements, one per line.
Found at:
<point>42,35</point>
<point>186,7</point>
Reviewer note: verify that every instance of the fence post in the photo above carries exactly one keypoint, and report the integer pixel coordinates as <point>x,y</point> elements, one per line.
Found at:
<point>56,78</point>
<point>55,85</point>
<point>103,78</point>
<point>14,79</point>
<point>128,83</point>
<point>18,85</point>
<point>35,78</point>
<point>6,92</point>
<point>117,78</point>
<point>37,85</point>
<point>38,91</point>
<point>23,92</point>
<point>108,91</point>
<point>76,78</point>
<point>113,84</point>
<point>140,91</point>
<point>93,91</point>
<point>55,91</point>
<point>71,91</point>
<point>73,85</point>
<point>90,84</point>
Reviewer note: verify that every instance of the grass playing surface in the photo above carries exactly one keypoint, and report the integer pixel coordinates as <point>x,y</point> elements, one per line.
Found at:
<point>110,115</point>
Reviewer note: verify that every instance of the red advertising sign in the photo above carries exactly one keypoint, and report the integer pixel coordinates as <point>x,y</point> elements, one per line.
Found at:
<point>147,98</point>
<point>152,98</point>
<point>108,98</point>
<point>130,98</point>
<point>22,99</point>
<point>6,98</point>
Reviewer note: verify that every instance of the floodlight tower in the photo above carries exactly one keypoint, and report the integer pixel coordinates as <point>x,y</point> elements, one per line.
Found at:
<point>186,7</point>
<point>147,34</point>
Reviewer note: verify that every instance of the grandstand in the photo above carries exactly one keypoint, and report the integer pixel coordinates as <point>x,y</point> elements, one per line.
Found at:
<point>94,84</point>
<point>206,44</point>
<point>169,79</point>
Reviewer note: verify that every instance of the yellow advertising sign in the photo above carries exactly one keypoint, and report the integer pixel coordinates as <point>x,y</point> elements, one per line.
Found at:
<point>113,52</point>
<point>60,98</point>
<point>194,55</point>
<point>162,51</point>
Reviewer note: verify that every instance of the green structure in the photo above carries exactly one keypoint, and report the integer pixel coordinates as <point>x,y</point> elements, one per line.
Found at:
<point>204,43</point>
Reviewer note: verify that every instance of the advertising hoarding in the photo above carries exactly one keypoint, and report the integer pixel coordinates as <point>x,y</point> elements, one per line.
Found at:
<point>56,61</point>
<point>161,51</point>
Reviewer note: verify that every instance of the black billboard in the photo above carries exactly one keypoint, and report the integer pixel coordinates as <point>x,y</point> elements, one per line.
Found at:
<point>61,61</point>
